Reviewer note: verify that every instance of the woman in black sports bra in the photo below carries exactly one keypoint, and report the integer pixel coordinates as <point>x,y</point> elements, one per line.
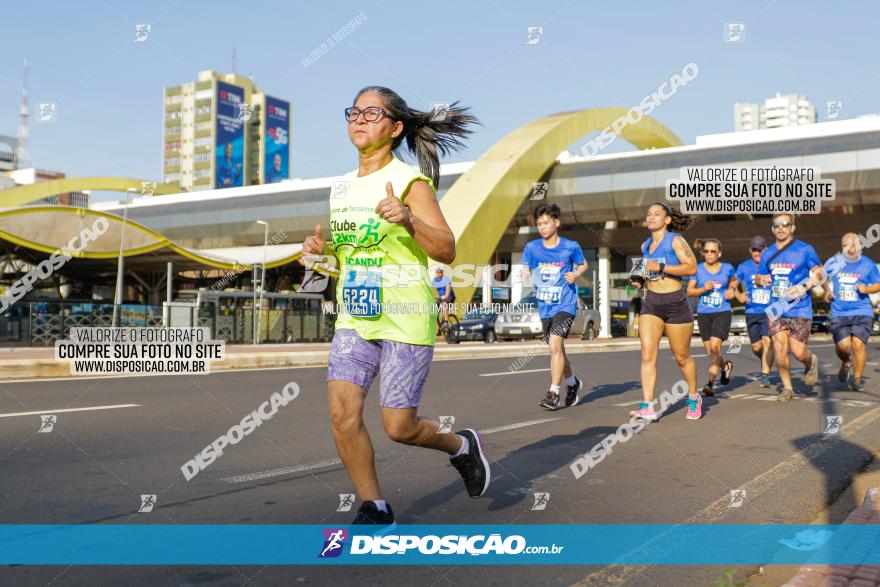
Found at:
<point>667,260</point>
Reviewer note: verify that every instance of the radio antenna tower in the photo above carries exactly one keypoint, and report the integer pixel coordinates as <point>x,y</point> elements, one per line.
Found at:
<point>22,156</point>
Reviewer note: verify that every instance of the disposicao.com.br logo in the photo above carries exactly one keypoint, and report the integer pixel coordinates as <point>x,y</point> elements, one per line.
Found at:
<point>431,544</point>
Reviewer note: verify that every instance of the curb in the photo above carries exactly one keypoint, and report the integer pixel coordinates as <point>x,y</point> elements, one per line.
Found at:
<point>846,575</point>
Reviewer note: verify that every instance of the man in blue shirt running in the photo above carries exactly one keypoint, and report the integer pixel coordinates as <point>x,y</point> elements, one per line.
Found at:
<point>791,268</point>
<point>556,263</point>
<point>852,316</point>
<point>756,300</point>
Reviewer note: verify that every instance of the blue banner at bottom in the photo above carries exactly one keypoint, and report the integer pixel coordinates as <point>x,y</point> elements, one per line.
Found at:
<point>601,544</point>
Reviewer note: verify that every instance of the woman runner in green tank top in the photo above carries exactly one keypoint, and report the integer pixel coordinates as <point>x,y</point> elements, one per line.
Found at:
<point>385,223</point>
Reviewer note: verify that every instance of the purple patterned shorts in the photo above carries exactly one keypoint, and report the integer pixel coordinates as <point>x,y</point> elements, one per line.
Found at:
<point>403,367</point>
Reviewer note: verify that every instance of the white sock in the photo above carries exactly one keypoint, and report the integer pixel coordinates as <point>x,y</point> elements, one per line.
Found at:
<point>694,396</point>
<point>570,380</point>
<point>465,445</point>
<point>381,505</point>
<point>554,389</point>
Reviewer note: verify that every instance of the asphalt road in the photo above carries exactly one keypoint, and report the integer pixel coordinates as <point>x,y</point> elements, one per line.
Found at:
<point>94,464</point>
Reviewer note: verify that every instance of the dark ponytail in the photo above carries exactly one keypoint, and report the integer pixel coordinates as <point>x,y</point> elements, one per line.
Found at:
<point>428,135</point>
<point>680,221</point>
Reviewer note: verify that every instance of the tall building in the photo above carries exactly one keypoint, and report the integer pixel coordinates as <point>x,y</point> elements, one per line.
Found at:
<point>781,110</point>
<point>8,151</point>
<point>32,175</point>
<point>223,131</point>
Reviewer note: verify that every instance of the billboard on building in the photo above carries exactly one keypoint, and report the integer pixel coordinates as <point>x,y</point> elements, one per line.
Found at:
<point>276,140</point>
<point>229,145</point>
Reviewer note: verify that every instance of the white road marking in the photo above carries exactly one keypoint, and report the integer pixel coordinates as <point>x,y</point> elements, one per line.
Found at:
<point>60,411</point>
<point>625,404</point>
<point>281,471</point>
<point>513,372</point>
<point>516,425</point>
<point>332,462</point>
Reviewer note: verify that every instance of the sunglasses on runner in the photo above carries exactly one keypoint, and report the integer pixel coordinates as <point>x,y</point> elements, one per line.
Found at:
<point>371,114</point>
<point>782,225</point>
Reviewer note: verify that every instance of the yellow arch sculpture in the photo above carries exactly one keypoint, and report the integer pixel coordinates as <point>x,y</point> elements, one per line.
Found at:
<point>21,195</point>
<point>480,204</point>
<point>66,221</point>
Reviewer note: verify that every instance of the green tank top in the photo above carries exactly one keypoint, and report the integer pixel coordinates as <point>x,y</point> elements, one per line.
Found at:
<point>368,248</point>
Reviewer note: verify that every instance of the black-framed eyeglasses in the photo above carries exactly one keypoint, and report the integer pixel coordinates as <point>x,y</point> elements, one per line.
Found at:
<point>782,225</point>
<point>756,250</point>
<point>371,113</point>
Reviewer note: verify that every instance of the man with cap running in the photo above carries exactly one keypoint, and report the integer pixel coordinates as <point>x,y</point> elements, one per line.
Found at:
<point>756,300</point>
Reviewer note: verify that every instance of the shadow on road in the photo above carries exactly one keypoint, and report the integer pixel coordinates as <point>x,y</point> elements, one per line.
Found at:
<point>838,459</point>
<point>606,390</point>
<point>513,475</point>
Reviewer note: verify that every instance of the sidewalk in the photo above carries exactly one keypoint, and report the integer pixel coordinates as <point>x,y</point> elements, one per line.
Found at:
<point>38,362</point>
<point>865,488</point>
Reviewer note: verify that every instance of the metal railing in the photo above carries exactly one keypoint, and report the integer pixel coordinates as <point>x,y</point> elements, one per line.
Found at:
<point>41,323</point>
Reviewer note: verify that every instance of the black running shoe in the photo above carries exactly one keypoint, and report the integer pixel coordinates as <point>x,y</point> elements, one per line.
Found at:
<point>550,401</point>
<point>368,513</point>
<point>726,372</point>
<point>572,396</point>
<point>473,466</point>
<point>709,389</point>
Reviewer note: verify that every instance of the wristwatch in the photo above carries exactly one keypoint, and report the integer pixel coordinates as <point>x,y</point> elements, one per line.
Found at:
<point>662,266</point>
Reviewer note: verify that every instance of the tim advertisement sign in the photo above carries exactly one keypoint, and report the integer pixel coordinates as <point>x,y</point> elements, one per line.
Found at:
<point>229,149</point>
<point>276,138</point>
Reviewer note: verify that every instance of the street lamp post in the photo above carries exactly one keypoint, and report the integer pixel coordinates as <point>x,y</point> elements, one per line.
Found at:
<point>120,263</point>
<point>262,278</point>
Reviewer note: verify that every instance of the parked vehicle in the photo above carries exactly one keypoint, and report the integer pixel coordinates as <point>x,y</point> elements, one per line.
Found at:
<point>820,323</point>
<point>477,325</point>
<point>522,321</point>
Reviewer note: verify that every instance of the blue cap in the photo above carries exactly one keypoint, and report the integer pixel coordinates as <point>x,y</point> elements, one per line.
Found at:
<point>757,243</point>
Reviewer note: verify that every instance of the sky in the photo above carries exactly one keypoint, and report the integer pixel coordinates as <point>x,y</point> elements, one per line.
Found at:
<point>108,89</point>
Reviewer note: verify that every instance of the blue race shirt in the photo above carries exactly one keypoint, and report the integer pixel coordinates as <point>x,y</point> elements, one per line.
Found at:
<point>664,253</point>
<point>789,268</point>
<point>759,297</point>
<point>847,299</point>
<point>714,301</point>
<point>440,286</point>
<point>548,268</point>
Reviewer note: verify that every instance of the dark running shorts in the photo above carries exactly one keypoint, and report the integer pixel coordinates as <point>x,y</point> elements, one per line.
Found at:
<point>757,326</point>
<point>672,307</point>
<point>798,328</point>
<point>714,325</point>
<point>558,324</point>
<point>845,326</point>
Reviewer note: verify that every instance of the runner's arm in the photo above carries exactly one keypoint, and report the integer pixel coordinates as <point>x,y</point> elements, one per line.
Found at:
<point>687,262</point>
<point>426,223</point>
<point>817,277</point>
<point>732,289</point>
<point>829,290</point>
<point>740,292</point>
<point>579,270</point>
